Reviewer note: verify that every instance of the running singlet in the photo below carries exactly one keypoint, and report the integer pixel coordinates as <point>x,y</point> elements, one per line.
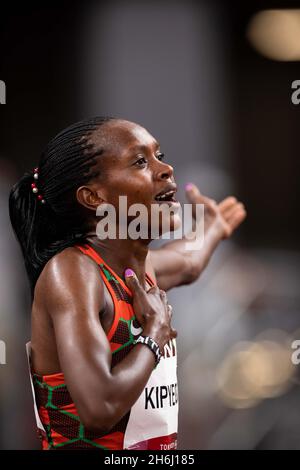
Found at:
<point>151,423</point>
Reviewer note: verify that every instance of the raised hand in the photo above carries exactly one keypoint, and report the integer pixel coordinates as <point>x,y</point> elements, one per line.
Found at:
<point>224,217</point>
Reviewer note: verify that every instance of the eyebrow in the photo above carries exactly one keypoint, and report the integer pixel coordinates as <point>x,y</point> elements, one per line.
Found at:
<point>143,147</point>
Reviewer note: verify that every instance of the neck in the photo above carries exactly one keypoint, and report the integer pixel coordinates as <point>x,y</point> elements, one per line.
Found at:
<point>122,254</point>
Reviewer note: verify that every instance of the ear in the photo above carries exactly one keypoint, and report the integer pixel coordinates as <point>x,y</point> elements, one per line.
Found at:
<point>89,197</point>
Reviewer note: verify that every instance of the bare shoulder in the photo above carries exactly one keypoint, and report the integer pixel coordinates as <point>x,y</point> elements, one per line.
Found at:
<point>70,277</point>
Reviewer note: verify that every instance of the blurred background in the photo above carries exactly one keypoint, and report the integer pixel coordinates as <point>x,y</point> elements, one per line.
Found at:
<point>213,83</point>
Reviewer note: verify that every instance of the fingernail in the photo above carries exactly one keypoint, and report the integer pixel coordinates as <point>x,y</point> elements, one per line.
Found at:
<point>129,272</point>
<point>188,186</point>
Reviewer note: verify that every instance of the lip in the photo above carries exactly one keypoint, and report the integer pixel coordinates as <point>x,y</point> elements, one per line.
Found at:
<point>175,204</point>
<point>168,188</point>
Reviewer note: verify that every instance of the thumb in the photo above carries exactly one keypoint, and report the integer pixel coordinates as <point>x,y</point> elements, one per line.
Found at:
<point>194,195</point>
<point>192,192</point>
<point>132,282</point>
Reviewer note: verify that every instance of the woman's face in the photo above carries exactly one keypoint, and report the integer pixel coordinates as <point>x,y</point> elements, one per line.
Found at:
<point>133,165</point>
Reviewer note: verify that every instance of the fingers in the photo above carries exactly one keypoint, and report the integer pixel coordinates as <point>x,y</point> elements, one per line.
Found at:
<point>229,212</point>
<point>194,195</point>
<point>237,218</point>
<point>152,289</point>
<point>232,221</point>
<point>169,308</point>
<point>163,295</point>
<point>173,333</point>
<point>233,213</point>
<point>137,290</point>
<point>227,203</point>
<point>164,299</point>
<point>133,282</point>
<point>191,190</point>
<point>227,206</point>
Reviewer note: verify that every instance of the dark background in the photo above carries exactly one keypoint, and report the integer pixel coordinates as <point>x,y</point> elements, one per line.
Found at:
<point>227,122</point>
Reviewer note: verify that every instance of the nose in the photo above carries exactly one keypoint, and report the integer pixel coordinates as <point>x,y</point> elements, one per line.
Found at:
<point>165,171</point>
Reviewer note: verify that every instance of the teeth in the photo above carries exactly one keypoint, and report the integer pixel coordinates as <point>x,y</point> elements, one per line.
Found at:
<point>165,195</point>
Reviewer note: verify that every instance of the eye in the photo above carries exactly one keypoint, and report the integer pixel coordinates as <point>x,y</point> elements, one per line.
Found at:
<point>160,156</point>
<point>141,161</point>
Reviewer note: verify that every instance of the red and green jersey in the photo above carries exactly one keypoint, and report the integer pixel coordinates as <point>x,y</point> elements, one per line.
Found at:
<point>151,423</point>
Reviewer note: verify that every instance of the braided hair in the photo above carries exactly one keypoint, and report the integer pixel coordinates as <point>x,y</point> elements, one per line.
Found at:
<point>45,229</point>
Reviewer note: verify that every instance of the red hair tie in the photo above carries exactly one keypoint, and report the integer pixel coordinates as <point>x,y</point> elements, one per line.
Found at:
<point>34,187</point>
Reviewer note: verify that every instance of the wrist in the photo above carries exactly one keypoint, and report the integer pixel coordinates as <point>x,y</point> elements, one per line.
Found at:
<point>151,344</point>
<point>154,333</point>
<point>215,233</point>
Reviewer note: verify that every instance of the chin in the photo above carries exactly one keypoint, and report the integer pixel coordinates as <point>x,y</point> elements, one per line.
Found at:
<point>175,223</point>
<point>170,225</point>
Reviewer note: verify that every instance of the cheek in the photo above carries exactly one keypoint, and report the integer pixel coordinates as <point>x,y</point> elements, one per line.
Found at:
<point>142,195</point>
<point>137,189</point>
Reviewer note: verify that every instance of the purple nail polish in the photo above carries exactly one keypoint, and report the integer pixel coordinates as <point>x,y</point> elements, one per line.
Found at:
<point>188,186</point>
<point>129,272</point>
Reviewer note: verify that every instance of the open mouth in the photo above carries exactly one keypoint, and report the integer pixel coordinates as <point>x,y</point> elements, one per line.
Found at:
<point>168,196</point>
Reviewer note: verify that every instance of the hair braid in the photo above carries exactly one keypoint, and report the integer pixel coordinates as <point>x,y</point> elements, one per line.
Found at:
<point>45,229</point>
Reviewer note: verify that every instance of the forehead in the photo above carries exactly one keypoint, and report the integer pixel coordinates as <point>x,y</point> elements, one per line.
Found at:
<point>118,137</point>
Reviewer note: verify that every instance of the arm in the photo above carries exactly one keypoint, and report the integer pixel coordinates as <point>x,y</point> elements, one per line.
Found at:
<point>75,296</point>
<point>173,264</point>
